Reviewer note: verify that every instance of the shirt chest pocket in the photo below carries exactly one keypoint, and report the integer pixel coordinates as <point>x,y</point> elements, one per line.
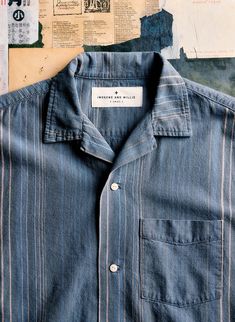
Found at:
<point>180,261</point>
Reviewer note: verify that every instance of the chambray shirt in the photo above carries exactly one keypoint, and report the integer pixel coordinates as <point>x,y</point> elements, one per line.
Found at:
<point>118,212</point>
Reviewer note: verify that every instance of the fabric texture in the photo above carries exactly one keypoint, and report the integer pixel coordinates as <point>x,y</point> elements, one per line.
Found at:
<point>117,213</point>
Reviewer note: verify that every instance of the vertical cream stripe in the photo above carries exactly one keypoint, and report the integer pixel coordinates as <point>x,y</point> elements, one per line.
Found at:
<point>137,299</point>
<point>133,243</point>
<point>209,171</point>
<point>120,230</point>
<point>222,209</point>
<point>21,221</point>
<point>39,233</point>
<point>230,219</point>
<point>209,205</point>
<point>44,244</point>
<point>140,201</point>
<point>2,191</point>
<point>107,262</point>
<point>99,273</point>
<point>42,219</point>
<point>9,215</point>
<point>35,217</point>
<point>124,268</point>
<point>26,212</point>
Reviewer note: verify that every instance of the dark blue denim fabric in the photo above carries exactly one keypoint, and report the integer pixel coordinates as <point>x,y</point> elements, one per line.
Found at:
<point>159,246</point>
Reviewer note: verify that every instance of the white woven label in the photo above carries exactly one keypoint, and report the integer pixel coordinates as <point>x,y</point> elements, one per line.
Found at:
<point>117,96</point>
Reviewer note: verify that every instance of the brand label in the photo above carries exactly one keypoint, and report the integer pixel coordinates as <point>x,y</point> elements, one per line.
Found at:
<point>117,96</point>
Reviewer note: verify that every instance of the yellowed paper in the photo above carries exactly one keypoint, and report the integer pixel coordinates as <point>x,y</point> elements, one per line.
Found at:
<point>92,22</point>
<point>30,65</point>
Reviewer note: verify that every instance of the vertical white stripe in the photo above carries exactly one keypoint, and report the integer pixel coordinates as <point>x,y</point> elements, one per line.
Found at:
<point>107,262</point>
<point>124,264</point>
<point>140,201</point>
<point>99,259</point>
<point>209,170</point>
<point>39,231</point>
<point>99,273</point>
<point>137,299</point>
<point>120,215</point>
<point>42,216</point>
<point>230,221</point>
<point>21,223</point>
<point>2,193</point>
<point>9,215</point>
<point>133,243</point>
<point>209,205</point>
<point>26,212</point>
<point>222,209</point>
<point>35,217</point>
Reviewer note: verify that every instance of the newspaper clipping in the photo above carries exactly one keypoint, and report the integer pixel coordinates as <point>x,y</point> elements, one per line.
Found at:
<point>69,23</point>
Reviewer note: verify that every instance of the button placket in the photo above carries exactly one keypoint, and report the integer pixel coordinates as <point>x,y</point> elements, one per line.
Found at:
<point>110,253</point>
<point>114,267</point>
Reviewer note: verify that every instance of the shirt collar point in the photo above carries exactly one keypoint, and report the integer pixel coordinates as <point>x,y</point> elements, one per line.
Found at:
<point>64,120</point>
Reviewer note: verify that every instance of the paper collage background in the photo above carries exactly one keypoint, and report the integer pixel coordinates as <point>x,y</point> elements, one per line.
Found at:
<point>197,36</point>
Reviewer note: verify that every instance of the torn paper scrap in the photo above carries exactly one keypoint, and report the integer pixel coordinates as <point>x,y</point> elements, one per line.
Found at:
<point>23,21</point>
<point>203,28</point>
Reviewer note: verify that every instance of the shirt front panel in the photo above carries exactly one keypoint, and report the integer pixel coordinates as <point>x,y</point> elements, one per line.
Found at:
<point>62,225</point>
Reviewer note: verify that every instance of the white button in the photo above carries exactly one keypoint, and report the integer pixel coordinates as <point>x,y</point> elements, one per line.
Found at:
<point>113,268</point>
<point>114,186</point>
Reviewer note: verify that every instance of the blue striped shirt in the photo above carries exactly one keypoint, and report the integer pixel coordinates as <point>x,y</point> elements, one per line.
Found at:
<point>118,207</point>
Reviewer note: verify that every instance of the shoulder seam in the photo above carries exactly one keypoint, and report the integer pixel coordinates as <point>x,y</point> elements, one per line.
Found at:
<point>211,99</point>
<point>15,100</point>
